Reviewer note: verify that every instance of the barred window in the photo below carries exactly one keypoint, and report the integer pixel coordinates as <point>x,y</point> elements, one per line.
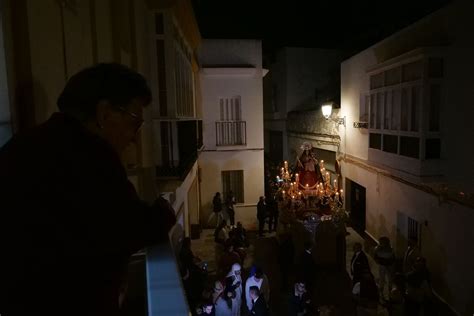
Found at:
<point>414,230</point>
<point>233,180</point>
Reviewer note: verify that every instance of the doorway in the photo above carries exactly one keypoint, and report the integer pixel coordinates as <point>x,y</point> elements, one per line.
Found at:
<point>357,205</point>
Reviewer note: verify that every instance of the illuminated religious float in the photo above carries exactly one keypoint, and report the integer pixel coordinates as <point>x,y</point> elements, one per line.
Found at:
<point>311,206</point>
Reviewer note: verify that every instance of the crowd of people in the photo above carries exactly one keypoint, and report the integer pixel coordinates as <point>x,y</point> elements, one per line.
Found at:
<point>402,285</point>
<point>408,287</point>
<point>228,295</point>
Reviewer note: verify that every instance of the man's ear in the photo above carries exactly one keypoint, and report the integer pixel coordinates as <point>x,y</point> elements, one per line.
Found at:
<point>102,112</point>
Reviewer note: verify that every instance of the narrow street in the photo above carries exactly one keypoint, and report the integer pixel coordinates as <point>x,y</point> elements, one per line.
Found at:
<point>333,288</point>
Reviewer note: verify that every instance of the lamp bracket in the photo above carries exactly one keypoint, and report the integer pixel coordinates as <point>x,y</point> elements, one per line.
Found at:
<point>361,125</point>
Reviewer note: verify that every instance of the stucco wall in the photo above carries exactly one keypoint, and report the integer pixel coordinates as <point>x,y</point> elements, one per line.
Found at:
<point>251,162</point>
<point>447,236</point>
<point>249,88</point>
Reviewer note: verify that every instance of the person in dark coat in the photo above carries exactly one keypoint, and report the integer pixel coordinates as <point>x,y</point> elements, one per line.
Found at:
<point>229,203</point>
<point>259,305</point>
<point>272,206</point>
<point>307,265</point>
<point>70,217</point>
<point>298,303</point>
<point>359,263</point>
<point>261,214</point>
<point>286,257</point>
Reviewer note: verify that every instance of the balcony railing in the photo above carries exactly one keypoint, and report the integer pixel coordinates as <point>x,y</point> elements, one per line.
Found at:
<point>231,133</point>
<point>165,293</point>
<point>180,171</point>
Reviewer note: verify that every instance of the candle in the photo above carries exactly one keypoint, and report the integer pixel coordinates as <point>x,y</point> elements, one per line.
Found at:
<point>286,164</point>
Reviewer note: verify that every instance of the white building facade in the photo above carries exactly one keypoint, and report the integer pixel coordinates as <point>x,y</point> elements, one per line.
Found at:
<point>232,105</point>
<point>410,172</point>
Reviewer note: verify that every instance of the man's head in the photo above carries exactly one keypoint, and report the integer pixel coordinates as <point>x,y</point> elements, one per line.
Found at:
<point>357,247</point>
<point>207,308</point>
<point>254,292</point>
<point>109,100</point>
<point>235,271</point>
<point>300,287</point>
<point>258,274</point>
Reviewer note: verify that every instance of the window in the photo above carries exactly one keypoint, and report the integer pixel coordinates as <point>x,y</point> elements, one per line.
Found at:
<point>409,146</point>
<point>433,148</point>
<point>159,24</point>
<point>375,141</point>
<point>162,91</point>
<point>400,99</point>
<point>434,103</point>
<point>165,131</point>
<point>414,230</point>
<point>233,180</point>
<point>184,77</point>
<point>231,129</point>
<point>390,143</point>
<point>364,108</point>
<point>230,109</point>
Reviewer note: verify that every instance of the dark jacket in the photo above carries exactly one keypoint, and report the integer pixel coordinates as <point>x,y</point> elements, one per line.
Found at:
<point>69,222</point>
<point>297,305</point>
<point>260,308</point>
<point>216,204</point>
<point>359,264</point>
<point>308,267</point>
<point>261,210</point>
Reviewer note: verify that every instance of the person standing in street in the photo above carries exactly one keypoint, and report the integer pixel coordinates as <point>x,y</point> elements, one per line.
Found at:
<point>229,204</point>
<point>410,256</point>
<point>216,210</point>
<point>385,258</point>
<point>272,207</point>
<point>259,305</point>
<point>359,263</point>
<point>261,215</point>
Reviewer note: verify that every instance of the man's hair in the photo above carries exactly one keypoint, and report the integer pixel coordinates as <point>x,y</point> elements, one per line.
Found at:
<point>112,82</point>
<point>255,290</point>
<point>258,273</point>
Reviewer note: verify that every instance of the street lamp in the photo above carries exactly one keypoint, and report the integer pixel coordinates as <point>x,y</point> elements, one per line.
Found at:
<point>327,110</point>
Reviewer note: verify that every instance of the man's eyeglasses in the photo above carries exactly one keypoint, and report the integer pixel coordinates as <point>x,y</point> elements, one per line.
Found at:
<point>139,121</point>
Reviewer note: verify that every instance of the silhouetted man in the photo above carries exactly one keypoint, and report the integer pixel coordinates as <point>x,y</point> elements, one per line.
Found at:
<point>359,263</point>
<point>70,218</point>
<point>261,214</point>
<point>259,306</point>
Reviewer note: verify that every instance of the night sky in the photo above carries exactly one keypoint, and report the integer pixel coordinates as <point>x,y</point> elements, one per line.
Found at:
<point>351,25</point>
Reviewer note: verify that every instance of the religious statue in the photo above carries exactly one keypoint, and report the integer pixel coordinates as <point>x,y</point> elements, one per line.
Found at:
<point>308,168</point>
